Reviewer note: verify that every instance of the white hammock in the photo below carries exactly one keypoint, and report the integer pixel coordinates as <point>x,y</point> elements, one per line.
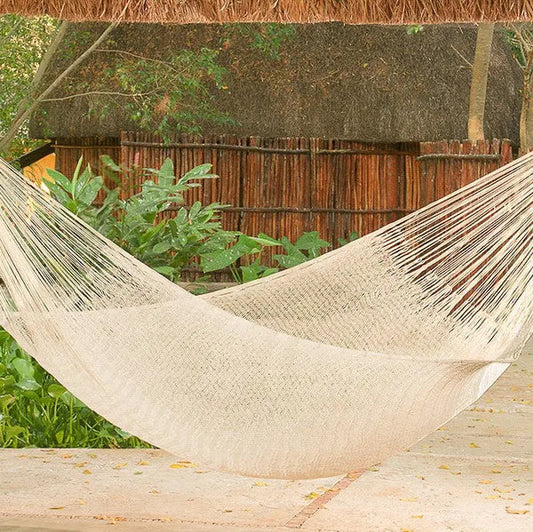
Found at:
<point>328,367</point>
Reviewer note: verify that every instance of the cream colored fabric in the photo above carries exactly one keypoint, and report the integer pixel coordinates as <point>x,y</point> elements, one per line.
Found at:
<point>328,367</point>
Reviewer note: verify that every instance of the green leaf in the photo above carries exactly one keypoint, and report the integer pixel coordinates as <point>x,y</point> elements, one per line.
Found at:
<point>56,390</point>
<point>199,172</point>
<point>28,384</point>
<point>166,173</point>
<point>57,192</point>
<point>266,240</point>
<point>195,209</point>
<point>165,270</point>
<point>82,181</point>
<point>24,368</point>
<point>59,436</point>
<point>59,179</point>
<point>89,192</point>
<point>73,183</point>
<point>7,382</point>
<point>69,399</point>
<point>248,245</point>
<point>110,163</point>
<point>6,400</point>
<point>311,240</point>
<point>221,259</point>
<point>13,431</point>
<point>162,247</point>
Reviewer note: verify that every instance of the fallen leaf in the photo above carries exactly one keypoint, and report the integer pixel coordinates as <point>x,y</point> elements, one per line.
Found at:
<point>259,484</point>
<point>417,516</point>
<point>485,481</point>
<point>510,510</point>
<point>312,495</point>
<point>444,466</point>
<point>509,442</point>
<point>67,455</point>
<point>87,472</point>
<point>81,464</point>
<point>495,471</point>
<point>118,467</point>
<point>56,507</point>
<point>142,462</point>
<point>182,464</point>
<point>474,445</point>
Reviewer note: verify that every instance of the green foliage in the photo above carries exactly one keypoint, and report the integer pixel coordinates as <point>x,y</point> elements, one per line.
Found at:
<point>520,40</point>
<point>169,244</point>
<point>413,29</point>
<point>267,38</point>
<point>36,411</point>
<point>161,95</point>
<point>135,224</point>
<point>23,42</point>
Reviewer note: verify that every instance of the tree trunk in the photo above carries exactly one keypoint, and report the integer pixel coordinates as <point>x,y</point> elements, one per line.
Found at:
<point>526,115</point>
<point>29,103</point>
<point>478,87</point>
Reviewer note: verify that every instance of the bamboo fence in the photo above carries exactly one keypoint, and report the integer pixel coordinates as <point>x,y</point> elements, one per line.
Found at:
<point>286,186</point>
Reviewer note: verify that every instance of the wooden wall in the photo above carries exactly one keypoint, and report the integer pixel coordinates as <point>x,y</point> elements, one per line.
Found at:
<point>286,186</point>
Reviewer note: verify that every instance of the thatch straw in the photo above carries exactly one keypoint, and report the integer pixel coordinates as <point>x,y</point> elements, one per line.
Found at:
<point>371,83</point>
<point>349,11</point>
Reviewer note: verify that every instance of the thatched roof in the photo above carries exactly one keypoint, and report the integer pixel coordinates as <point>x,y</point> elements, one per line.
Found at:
<point>368,83</point>
<point>296,11</point>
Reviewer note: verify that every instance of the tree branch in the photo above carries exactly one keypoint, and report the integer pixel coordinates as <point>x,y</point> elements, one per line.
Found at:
<point>99,93</point>
<point>28,106</point>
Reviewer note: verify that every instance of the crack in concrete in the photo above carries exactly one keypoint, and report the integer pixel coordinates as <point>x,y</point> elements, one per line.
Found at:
<point>299,519</point>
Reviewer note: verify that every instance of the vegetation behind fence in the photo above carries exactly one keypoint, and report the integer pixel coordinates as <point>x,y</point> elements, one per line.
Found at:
<point>286,186</point>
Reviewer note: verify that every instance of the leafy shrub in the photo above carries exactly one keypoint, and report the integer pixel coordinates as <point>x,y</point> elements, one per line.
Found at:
<point>35,410</point>
<point>135,224</point>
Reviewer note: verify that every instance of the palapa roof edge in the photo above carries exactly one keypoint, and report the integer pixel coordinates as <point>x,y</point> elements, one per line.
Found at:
<point>372,83</point>
<point>287,11</point>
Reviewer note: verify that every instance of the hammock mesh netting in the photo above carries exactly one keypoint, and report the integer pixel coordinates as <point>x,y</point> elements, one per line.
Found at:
<point>325,368</point>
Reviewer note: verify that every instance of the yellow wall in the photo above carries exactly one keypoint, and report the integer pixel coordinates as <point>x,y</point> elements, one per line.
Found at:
<point>37,170</point>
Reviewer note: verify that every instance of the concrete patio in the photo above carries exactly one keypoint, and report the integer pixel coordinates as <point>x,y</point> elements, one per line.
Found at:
<point>475,474</point>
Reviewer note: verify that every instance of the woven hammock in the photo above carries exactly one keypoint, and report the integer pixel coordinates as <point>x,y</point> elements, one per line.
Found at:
<point>328,367</point>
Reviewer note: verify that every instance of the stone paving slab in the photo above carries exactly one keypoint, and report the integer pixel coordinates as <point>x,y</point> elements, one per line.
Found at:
<point>474,475</point>
<point>140,485</point>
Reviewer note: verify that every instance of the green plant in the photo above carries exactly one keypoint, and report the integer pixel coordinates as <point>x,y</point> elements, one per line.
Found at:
<point>23,42</point>
<point>267,38</point>
<point>169,244</point>
<point>35,410</point>
<point>163,95</point>
<point>413,29</point>
<point>135,224</point>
